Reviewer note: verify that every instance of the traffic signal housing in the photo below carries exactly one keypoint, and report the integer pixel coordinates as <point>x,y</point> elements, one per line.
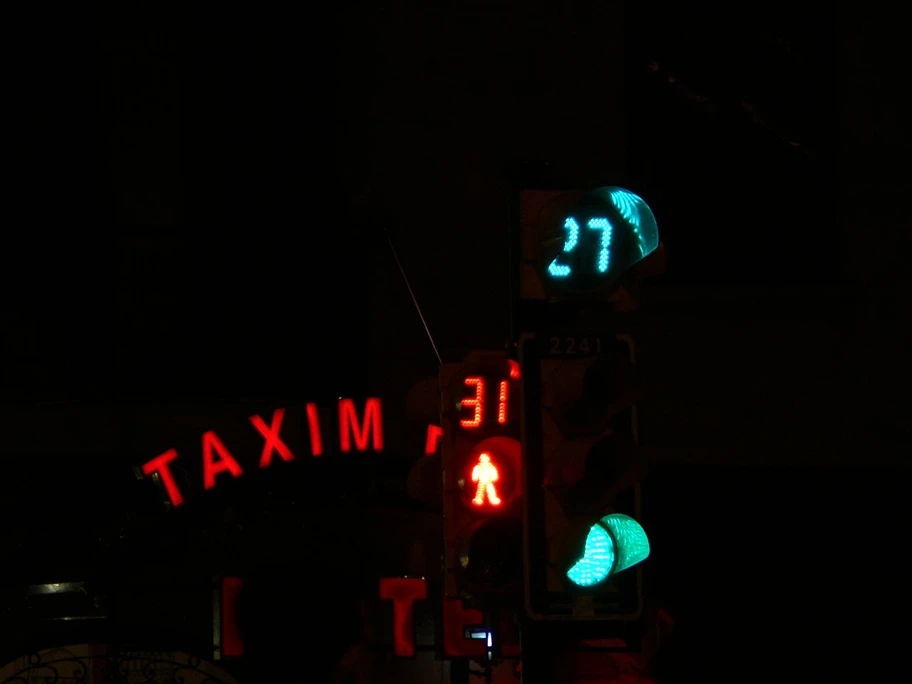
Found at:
<point>482,475</point>
<point>582,538</point>
<point>579,245</point>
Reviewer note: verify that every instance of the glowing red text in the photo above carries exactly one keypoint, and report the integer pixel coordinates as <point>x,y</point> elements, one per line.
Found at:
<point>271,436</point>
<point>159,467</point>
<point>363,435</point>
<point>371,427</point>
<point>432,443</point>
<point>403,592</point>
<point>457,623</point>
<point>212,467</point>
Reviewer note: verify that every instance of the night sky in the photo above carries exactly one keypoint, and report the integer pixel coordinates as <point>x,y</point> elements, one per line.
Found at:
<point>199,208</point>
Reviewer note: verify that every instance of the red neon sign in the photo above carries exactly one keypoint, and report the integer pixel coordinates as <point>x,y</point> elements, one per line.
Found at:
<point>271,436</point>
<point>232,640</point>
<point>212,467</point>
<point>403,592</point>
<point>313,428</point>
<point>160,468</point>
<point>371,427</point>
<point>455,620</point>
<point>432,442</point>
<point>364,435</point>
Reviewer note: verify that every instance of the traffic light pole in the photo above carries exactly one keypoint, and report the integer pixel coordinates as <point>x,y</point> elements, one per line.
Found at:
<point>521,176</point>
<point>576,260</point>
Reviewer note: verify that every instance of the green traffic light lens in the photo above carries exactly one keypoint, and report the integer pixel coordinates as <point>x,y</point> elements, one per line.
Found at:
<point>613,544</point>
<point>630,538</point>
<point>606,232</point>
<point>636,217</point>
<point>597,561</point>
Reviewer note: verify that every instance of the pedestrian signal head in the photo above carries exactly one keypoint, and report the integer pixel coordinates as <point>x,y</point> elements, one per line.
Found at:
<point>482,475</point>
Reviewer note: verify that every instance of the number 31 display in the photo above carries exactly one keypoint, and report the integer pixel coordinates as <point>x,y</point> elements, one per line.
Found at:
<point>487,403</point>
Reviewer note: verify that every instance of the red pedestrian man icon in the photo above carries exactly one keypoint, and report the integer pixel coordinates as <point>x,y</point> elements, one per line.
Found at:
<point>485,474</point>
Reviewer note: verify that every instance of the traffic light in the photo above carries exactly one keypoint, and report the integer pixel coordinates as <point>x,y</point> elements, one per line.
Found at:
<point>582,245</point>
<point>582,538</point>
<point>482,473</point>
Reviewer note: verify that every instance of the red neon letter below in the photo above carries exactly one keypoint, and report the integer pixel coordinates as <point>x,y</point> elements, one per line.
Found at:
<point>313,426</point>
<point>371,427</point>
<point>271,435</point>
<point>403,592</point>
<point>509,639</point>
<point>434,435</point>
<point>455,620</point>
<point>159,465</point>
<point>232,641</point>
<point>211,468</point>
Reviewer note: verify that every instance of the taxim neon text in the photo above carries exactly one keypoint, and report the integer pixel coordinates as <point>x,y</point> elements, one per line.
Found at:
<point>356,432</point>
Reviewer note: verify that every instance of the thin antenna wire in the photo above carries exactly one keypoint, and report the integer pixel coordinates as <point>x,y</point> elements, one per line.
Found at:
<point>706,103</point>
<point>412,294</point>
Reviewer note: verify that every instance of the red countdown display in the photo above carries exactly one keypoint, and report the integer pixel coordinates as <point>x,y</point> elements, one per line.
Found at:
<point>487,400</point>
<point>475,402</point>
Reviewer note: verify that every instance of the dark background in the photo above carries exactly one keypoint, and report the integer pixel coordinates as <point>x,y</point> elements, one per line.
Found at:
<point>196,211</point>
